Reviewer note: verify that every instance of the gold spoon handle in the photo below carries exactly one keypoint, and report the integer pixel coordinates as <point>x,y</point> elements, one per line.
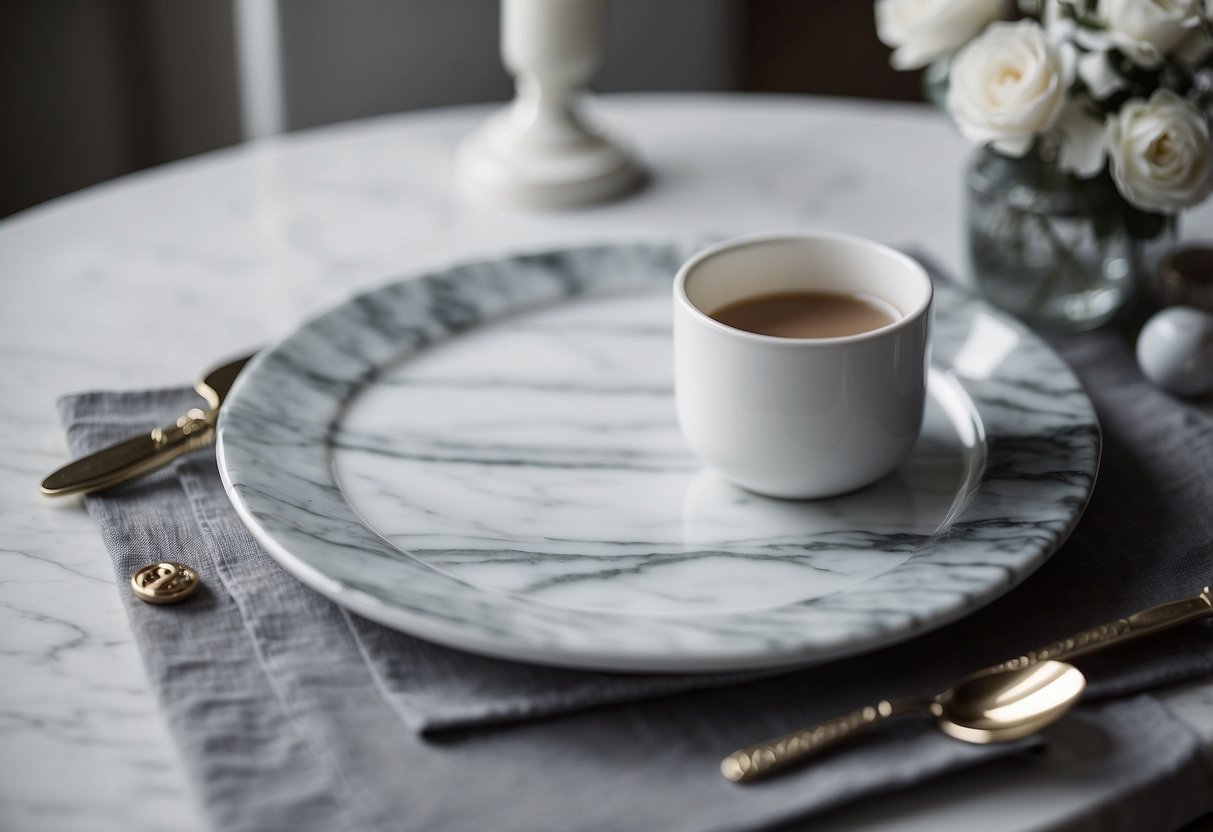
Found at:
<point>1114,633</point>
<point>756,761</point>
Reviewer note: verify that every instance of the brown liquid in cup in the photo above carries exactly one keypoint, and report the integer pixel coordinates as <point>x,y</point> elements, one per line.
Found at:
<point>807,314</point>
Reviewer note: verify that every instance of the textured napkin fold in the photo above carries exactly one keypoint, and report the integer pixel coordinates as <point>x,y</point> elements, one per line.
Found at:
<point>293,713</point>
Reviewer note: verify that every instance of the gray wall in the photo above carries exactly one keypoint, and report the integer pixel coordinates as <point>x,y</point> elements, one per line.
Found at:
<point>376,56</point>
<point>91,89</point>
<point>96,88</point>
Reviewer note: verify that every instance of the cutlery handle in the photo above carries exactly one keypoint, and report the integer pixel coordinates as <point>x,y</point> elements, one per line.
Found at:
<point>757,761</point>
<point>132,457</point>
<point>1114,633</point>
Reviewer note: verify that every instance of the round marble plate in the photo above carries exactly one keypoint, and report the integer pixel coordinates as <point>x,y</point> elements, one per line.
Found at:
<point>487,457</point>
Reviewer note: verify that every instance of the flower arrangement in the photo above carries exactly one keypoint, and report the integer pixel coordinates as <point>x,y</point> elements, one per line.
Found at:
<point>1127,83</point>
<point>1113,95</point>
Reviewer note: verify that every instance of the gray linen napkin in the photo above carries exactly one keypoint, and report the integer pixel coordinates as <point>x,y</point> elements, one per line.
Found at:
<point>294,714</point>
<point>1147,538</point>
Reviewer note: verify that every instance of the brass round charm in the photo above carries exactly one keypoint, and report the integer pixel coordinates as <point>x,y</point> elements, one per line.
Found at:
<point>164,583</point>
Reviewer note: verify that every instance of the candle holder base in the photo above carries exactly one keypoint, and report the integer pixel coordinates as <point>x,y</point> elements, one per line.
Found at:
<point>500,165</point>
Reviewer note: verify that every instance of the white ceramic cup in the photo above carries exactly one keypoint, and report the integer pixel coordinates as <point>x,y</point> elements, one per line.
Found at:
<point>800,418</point>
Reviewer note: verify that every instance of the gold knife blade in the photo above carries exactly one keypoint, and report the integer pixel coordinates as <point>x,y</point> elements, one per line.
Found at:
<point>139,455</point>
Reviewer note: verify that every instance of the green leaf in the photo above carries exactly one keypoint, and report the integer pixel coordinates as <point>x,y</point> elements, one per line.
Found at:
<point>1104,223</point>
<point>1144,225</point>
<point>1102,202</point>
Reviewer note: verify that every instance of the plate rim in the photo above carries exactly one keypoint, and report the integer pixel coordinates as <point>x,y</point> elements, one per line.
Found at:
<point>457,636</point>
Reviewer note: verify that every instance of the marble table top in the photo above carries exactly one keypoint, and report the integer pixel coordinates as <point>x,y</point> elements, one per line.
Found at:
<point>146,280</point>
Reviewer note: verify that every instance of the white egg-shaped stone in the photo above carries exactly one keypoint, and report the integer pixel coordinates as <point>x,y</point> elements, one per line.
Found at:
<point>1175,350</point>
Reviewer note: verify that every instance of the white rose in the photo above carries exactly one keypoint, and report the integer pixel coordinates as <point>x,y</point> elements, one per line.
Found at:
<point>1160,153</point>
<point>922,31</point>
<point>1008,86</point>
<point>1146,30</point>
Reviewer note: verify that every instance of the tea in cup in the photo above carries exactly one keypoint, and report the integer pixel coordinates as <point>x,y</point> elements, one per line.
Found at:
<point>800,360</point>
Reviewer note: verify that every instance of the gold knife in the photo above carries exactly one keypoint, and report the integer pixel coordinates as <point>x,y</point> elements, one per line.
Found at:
<point>138,455</point>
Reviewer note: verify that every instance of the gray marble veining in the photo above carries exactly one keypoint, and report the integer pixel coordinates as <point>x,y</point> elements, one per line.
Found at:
<point>291,226</point>
<point>487,456</point>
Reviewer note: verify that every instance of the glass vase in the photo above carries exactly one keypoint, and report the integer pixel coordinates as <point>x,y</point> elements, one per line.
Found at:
<point>1063,254</point>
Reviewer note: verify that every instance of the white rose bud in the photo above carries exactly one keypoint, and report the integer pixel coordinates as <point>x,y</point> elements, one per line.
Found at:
<point>1146,30</point>
<point>1008,86</point>
<point>922,31</point>
<point>1160,153</point>
<point>1197,45</point>
<point>1082,140</point>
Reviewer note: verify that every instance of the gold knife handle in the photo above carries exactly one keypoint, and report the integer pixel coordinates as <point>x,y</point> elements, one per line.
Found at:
<point>132,457</point>
<point>757,761</point>
<point>1114,633</point>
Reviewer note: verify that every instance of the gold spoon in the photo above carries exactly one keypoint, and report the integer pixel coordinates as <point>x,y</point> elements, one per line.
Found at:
<point>983,707</point>
<point>138,455</point>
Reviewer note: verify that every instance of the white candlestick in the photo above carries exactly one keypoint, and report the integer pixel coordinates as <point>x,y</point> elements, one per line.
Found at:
<point>538,153</point>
